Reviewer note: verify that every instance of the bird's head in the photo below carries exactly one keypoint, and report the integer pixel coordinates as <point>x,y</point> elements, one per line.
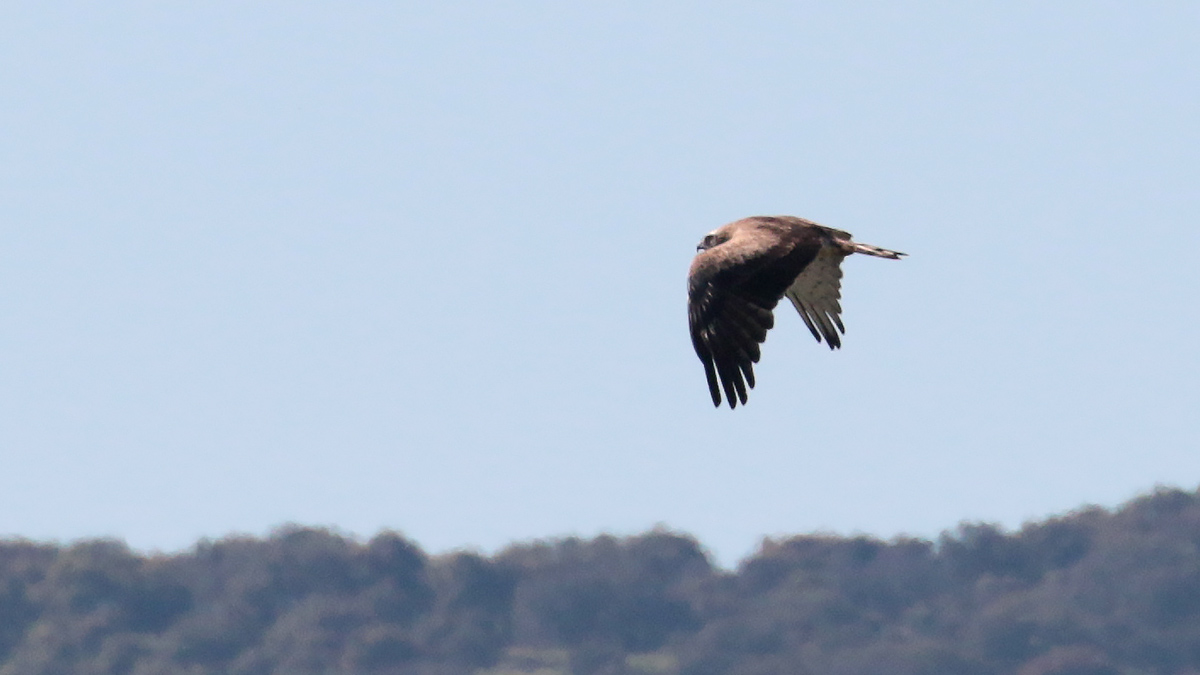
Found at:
<point>714,238</point>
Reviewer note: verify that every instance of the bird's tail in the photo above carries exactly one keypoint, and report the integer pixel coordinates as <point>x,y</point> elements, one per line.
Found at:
<point>875,251</point>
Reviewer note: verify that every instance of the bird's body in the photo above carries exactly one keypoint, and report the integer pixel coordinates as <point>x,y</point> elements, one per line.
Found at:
<point>738,276</point>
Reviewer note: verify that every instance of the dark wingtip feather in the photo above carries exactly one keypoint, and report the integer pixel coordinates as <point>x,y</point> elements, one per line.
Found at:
<point>739,386</point>
<point>730,392</point>
<point>710,374</point>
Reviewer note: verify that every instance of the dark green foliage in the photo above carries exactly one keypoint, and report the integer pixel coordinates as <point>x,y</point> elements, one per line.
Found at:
<point>607,593</point>
<point>1091,593</point>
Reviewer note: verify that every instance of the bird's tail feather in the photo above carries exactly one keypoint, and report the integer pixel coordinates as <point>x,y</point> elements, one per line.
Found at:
<point>875,251</point>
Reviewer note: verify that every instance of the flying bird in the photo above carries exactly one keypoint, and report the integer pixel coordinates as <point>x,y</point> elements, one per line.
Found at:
<point>742,270</point>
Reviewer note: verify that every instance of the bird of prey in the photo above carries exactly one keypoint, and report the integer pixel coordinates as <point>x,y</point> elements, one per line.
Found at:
<point>741,271</point>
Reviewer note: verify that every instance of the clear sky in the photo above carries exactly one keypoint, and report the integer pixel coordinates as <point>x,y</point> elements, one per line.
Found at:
<point>421,266</point>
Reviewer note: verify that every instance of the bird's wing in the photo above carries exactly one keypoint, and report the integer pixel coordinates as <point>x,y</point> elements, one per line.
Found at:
<point>730,303</point>
<point>727,329</point>
<point>816,292</point>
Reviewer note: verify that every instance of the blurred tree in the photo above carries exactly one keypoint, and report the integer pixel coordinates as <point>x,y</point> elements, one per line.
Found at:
<point>1088,593</point>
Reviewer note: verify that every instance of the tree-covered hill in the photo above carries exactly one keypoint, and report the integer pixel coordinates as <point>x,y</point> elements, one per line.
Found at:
<point>1096,592</point>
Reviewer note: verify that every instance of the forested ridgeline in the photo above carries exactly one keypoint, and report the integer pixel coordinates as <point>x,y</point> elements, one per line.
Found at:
<point>1095,592</point>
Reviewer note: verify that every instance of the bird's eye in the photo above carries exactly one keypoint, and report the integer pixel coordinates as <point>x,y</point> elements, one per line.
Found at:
<point>709,241</point>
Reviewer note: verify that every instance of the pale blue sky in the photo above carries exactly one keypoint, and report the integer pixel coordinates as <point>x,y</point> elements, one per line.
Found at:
<point>422,265</point>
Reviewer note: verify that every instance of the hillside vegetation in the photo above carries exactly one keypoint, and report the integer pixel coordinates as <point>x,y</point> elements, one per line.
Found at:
<point>1095,592</point>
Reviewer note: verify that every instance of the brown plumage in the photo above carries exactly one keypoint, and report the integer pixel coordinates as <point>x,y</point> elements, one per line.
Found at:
<point>738,276</point>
